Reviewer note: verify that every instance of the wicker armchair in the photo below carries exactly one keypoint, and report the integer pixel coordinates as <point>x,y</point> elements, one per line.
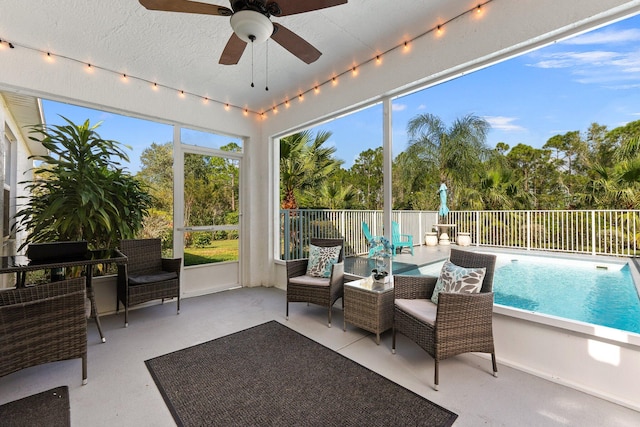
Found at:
<point>462,322</point>
<point>324,292</point>
<point>42,324</point>
<point>146,276</point>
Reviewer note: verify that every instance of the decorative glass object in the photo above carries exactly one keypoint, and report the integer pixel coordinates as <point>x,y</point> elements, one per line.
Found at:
<point>383,251</point>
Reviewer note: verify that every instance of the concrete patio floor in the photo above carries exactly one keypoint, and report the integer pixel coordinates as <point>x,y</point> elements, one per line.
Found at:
<point>121,392</point>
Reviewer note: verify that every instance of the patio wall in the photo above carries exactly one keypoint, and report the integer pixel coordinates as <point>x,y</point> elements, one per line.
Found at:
<point>600,361</point>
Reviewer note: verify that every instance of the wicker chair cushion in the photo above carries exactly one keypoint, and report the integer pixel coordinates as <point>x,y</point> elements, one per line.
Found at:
<point>160,276</point>
<point>422,309</point>
<point>310,281</point>
<point>460,280</point>
<point>321,259</point>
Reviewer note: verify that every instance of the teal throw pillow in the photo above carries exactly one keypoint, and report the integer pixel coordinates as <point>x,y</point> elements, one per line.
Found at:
<point>460,280</point>
<point>321,260</point>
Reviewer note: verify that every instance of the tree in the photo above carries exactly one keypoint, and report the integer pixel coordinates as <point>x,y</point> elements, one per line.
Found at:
<point>366,174</point>
<point>623,139</point>
<point>157,173</point>
<point>537,176</point>
<point>601,148</point>
<point>455,153</point>
<point>330,195</point>
<point>304,165</point>
<point>79,191</point>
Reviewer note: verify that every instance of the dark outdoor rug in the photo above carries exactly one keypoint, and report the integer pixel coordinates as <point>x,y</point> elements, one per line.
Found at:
<point>270,375</point>
<point>49,408</point>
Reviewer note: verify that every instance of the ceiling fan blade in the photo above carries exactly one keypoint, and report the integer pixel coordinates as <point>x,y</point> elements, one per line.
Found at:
<point>232,51</point>
<point>186,6</point>
<point>295,44</point>
<point>291,7</point>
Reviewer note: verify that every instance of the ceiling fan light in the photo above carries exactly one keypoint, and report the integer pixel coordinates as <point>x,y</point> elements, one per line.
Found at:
<point>250,26</point>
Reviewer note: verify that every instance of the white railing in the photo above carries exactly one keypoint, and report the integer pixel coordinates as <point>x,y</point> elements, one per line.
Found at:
<point>596,232</point>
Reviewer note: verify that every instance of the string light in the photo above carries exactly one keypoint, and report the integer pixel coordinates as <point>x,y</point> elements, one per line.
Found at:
<point>406,45</point>
<point>300,97</point>
<point>2,43</point>
<point>477,10</point>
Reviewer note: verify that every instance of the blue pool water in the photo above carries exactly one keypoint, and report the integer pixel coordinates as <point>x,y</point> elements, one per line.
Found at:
<point>597,293</point>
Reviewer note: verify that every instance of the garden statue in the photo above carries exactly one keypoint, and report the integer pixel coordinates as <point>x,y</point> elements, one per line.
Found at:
<point>443,210</point>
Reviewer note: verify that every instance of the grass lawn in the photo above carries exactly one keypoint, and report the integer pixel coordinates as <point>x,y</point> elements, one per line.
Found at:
<point>218,251</point>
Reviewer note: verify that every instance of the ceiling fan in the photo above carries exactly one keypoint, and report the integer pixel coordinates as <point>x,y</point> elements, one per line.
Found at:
<point>250,22</point>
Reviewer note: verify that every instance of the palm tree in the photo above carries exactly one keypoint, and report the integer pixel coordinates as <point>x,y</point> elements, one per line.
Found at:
<point>330,195</point>
<point>617,187</point>
<point>304,165</point>
<point>454,153</point>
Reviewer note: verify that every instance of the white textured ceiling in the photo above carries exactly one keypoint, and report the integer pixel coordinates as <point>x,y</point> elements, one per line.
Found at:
<point>181,50</point>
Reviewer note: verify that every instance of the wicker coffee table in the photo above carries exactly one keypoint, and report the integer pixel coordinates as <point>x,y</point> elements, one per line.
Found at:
<point>368,305</point>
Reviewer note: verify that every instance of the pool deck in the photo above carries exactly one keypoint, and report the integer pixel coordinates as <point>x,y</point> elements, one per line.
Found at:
<point>362,265</point>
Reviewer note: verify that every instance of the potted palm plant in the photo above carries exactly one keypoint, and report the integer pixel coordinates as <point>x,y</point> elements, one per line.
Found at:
<point>80,190</point>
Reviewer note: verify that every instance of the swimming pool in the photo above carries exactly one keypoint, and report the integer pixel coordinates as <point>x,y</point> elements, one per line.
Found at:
<point>600,293</point>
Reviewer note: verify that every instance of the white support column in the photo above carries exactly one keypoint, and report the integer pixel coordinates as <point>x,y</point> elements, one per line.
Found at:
<point>178,194</point>
<point>387,163</point>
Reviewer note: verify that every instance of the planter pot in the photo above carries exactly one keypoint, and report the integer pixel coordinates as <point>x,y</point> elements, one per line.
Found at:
<point>464,239</point>
<point>104,288</point>
<point>431,238</point>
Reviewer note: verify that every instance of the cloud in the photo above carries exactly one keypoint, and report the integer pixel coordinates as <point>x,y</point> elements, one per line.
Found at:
<point>504,124</point>
<point>422,107</point>
<point>611,69</point>
<point>574,59</point>
<point>606,37</point>
<point>398,107</point>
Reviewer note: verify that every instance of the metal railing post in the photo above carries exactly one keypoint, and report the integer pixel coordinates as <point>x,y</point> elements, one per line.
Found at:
<point>287,232</point>
<point>528,230</point>
<point>477,215</point>
<point>593,232</point>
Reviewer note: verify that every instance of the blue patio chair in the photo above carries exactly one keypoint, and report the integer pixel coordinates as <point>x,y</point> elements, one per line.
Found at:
<point>374,246</point>
<point>400,240</point>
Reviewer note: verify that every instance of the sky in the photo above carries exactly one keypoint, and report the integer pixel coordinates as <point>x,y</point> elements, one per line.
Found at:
<point>563,87</point>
